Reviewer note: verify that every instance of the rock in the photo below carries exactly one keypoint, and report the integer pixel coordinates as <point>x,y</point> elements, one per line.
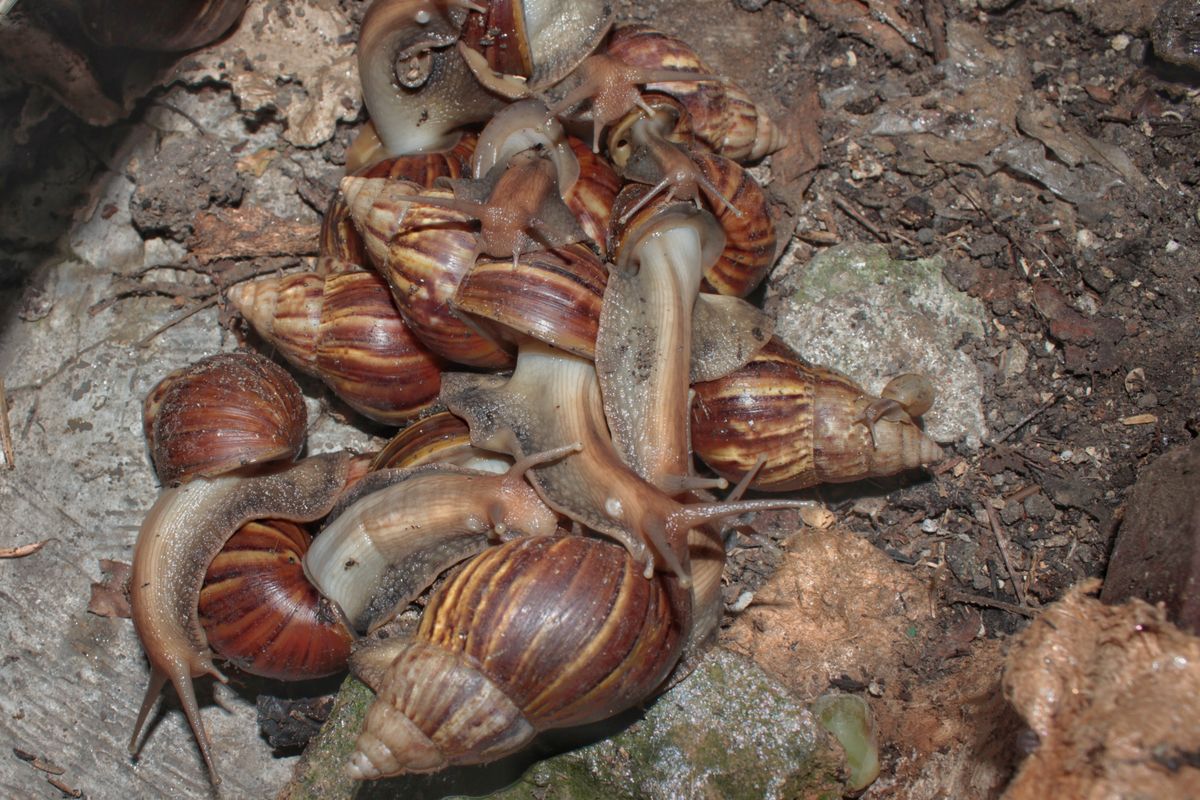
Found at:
<point>1106,16</point>
<point>1112,695</point>
<point>170,192</point>
<point>1176,33</point>
<point>727,730</point>
<point>1157,553</point>
<point>856,310</point>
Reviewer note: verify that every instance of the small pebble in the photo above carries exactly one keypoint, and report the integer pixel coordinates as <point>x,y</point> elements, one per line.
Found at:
<point>926,235</point>
<point>1120,42</point>
<point>929,526</point>
<point>1172,246</point>
<point>1085,239</point>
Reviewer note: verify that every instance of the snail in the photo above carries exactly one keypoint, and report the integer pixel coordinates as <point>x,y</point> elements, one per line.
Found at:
<point>721,115</point>
<point>222,413</point>
<point>518,204</point>
<point>610,86</point>
<point>184,530</point>
<point>344,328</point>
<point>812,424</point>
<point>552,400</point>
<point>419,90</point>
<point>480,677</point>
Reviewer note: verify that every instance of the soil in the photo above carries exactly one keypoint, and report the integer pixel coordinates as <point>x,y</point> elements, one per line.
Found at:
<point>1094,292</point>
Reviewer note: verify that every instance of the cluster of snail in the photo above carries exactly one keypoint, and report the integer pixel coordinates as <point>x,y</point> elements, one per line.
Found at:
<point>607,286</point>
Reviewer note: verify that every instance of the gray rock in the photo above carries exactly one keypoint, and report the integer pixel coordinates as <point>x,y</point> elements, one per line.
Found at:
<point>855,309</point>
<point>727,730</point>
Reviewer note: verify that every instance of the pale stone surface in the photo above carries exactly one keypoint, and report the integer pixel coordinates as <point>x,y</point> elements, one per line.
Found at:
<point>856,310</point>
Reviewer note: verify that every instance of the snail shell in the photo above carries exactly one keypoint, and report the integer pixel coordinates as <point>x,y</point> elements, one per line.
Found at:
<point>481,677</point>
<point>261,613</point>
<point>222,413</point>
<point>423,251</point>
<point>344,329</point>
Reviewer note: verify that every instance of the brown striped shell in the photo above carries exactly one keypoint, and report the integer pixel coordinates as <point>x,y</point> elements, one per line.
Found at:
<point>344,329</point>
<point>481,677</point>
<point>591,196</point>
<point>339,237</point>
<point>552,295</point>
<point>441,438</point>
<point>261,613</point>
<point>749,238</point>
<point>222,413</point>
<point>423,251</point>
<point>722,115</point>
<point>807,421</point>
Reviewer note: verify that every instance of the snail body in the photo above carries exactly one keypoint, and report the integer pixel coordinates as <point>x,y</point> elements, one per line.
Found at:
<point>184,530</point>
<point>617,636</point>
<point>386,545</point>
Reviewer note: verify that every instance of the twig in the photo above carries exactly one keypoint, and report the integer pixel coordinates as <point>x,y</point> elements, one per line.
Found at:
<point>1025,420</point>
<point>22,550</point>
<point>854,214</point>
<point>209,303</point>
<point>68,791</point>
<point>885,15</point>
<point>1002,545</point>
<point>935,24</point>
<point>37,763</point>
<point>182,113</point>
<point>955,596</point>
<point>6,442</point>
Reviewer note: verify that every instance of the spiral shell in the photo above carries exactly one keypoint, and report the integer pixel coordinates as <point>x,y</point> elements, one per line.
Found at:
<point>441,438</point>
<point>481,677</point>
<point>552,295</point>
<point>423,251</point>
<point>807,421</point>
<point>222,413</point>
<point>344,329</point>
<point>261,613</point>
<point>341,240</point>
<point>749,238</point>
<point>722,115</point>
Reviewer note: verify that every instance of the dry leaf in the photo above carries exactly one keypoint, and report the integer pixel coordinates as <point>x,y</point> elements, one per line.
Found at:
<point>110,596</point>
<point>22,550</point>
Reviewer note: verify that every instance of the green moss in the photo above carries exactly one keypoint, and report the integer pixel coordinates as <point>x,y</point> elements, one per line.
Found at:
<point>321,773</point>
